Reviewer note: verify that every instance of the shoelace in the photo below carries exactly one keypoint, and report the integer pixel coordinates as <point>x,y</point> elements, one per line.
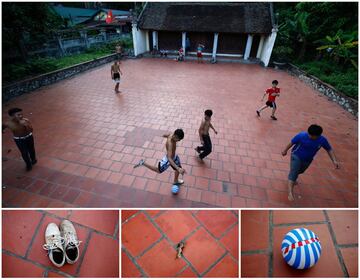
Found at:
<point>72,240</point>
<point>54,242</point>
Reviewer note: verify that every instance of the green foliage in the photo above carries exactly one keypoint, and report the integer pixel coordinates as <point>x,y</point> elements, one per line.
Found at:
<point>26,21</point>
<point>323,39</point>
<point>344,81</point>
<point>36,66</point>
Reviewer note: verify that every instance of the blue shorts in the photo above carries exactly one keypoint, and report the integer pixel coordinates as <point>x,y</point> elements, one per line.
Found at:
<point>164,163</point>
<point>297,166</point>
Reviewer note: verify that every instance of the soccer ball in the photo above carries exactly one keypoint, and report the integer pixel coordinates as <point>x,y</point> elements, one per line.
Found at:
<point>175,189</point>
<point>301,248</point>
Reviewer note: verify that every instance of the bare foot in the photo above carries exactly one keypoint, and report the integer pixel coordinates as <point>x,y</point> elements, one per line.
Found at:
<point>291,197</point>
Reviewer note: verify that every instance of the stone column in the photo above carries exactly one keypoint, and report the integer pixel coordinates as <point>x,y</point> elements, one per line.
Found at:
<point>155,40</point>
<point>260,47</point>
<point>183,42</point>
<point>134,34</point>
<point>248,46</point>
<point>268,47</point>
<point>216,37</point>
<point>147,41</point>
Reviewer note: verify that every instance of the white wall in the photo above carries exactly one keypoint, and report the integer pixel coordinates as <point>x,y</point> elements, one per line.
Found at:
<point>140,40</point>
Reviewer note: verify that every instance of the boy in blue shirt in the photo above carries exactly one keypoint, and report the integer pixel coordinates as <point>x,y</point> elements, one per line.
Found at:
<point>305,146</point>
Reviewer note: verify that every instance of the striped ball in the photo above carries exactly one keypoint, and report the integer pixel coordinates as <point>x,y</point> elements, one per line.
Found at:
<point>301,248</point>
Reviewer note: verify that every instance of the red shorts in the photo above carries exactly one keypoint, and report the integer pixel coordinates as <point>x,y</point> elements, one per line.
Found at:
<point>199,54</point>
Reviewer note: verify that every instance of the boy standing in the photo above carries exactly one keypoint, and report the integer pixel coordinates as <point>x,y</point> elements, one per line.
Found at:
<point>22,131</point>
<point>306,145</point>
<point>272,93</point>
<point>205,140</point>
<point>115,75</point>
<point>199,53</point>
<point>170,159</point>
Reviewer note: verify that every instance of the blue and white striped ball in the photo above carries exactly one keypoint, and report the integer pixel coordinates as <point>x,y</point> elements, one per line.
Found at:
<point>175,189</point>
<point>301,248</point>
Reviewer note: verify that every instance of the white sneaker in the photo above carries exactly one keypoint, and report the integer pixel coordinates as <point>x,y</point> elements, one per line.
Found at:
<point>54,245</point>
<point>71,241</point>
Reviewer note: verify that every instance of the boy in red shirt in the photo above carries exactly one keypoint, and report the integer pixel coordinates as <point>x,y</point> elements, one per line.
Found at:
<point>272,92</point>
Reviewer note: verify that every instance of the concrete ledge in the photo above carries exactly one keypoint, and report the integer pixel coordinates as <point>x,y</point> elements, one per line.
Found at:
<point>348,103</point>
<point>21,87</point>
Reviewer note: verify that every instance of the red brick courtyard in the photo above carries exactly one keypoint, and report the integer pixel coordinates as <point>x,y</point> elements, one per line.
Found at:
<point>88,139</point>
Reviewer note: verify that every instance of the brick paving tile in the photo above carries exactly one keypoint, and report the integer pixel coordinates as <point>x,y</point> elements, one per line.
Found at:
<point>227,267</point>
<point>345,225</point>
<point>217,222</point>
<point>160,261</point>
<point>254,221</point>
<point>128,269</point>
<point>331,226</point>
<point>256,265</point>
<point>18,228</point>
<point>125,214</point>
<point>157,258</point>
<point>245,153</point>
<point>16,267</point>
<point>350,256</point>
<point>99,253</point>
<point>177,224</point>
<point>131,239</point>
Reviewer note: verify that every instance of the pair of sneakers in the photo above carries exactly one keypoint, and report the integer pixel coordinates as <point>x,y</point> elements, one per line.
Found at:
<point>62,243</point>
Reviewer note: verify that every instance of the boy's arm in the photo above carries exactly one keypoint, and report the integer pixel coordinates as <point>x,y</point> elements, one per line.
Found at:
<point>263,96</point>
<point>284,152</point>
<point>201,131</point>
<point>172,162</point>
<point>333,158</point>
<point>213,128</point>
<point>166,135</point>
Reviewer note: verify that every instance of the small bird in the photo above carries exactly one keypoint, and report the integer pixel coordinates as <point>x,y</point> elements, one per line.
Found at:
<point>179,249</point>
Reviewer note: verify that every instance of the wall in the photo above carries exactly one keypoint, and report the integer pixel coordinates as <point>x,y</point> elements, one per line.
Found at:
<point>28,85</point>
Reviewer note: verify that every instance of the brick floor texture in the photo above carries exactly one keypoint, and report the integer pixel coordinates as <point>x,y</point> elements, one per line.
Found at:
<point>88,139</point>
<point>262,233</point>
<point>23,236</point>
<point>149,243</point>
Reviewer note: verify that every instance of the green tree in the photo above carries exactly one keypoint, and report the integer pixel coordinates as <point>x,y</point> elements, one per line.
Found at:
<point>27,21</point>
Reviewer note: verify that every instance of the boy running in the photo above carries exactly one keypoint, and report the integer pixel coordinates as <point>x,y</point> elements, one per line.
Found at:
<point>199,54</point>
<point>170,159</point>
<point>205,140</point>
<point>272,93</point>
<point>306,145</point>
<point>22,131</point>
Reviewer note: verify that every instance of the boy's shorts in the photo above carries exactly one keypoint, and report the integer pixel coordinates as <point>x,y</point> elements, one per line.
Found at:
<point>271,104</point>
<point>164,163</point>
<point>297,166</point>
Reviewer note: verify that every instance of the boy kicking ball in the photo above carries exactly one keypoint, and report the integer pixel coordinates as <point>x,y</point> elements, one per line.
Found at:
<point>170,159</point>
<point>272,92</point>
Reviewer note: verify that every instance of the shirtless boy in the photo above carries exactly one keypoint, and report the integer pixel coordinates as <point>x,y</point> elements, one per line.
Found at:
<point>170,159</point>
<point>22,131</point>
<point>205,140</point>
<point>115,74</point>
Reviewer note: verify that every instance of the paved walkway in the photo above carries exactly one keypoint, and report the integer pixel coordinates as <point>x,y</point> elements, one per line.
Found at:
<point>262,233</point>
<point>84,132</point>
<point>23,235</point>
<point>149,241</point>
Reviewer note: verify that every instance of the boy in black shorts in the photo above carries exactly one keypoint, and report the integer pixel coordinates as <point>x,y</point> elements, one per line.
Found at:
<point>205,140</point>
<point>273,92</point>
<point>170,159</point>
